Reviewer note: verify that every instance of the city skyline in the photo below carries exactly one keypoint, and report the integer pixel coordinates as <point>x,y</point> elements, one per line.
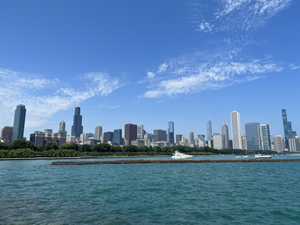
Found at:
<point>190,63</point>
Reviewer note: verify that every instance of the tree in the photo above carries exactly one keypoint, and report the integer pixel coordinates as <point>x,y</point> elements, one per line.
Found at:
<point>4,146</point>
<point>130,148</point>
<point>30,145</point>
<point>103,147</point>
<point>69,146</point>
<point>116,148</point>
<point>51,145</point>
<point>20,143</point>
<point>85,148</point>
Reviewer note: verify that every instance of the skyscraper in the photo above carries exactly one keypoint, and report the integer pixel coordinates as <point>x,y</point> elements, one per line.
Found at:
<point>209,130</point>
<point>88,135</point>
<point>118,139</point>
<point>201,138</point>
<point>191,138</point>
<point>77,127</point>
<point>130,132</point>
<point>140,131</point>
<point>98,132</point>
<point>236,130</point>
<point>171,132</point>
<point>108,136</point>
<point>287,127</point>
<point>62,126</point>
<point>252,131</point>
<point>225,136</point>
<point>265,137</point>
<point>19,122</point>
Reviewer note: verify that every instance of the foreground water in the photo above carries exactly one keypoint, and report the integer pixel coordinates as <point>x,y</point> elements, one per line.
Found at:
<point>34,192</point>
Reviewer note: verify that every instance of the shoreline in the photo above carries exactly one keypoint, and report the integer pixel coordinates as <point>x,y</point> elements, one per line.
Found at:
<point>170,161</point>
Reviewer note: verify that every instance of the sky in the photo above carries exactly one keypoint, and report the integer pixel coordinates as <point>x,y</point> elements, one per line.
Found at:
<point>150,62</point>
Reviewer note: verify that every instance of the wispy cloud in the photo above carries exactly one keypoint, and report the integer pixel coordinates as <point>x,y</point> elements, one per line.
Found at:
<point>109,106</point>
<point>240,14</point>
<point>21,88</point>
<point>294,66</point>
<point>210,77</point>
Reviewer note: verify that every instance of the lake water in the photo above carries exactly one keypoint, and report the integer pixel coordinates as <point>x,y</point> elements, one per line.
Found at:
<point>34,192</point>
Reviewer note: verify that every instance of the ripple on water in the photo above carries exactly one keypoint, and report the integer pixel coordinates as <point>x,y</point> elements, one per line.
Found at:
<point>226,193</point>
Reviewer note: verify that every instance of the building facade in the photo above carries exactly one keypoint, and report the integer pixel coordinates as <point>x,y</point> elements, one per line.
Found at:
<point>294,144</point>
<point>62,126</point>
<point>171,132</point>
<point>191,138</point>
<point>159,135</point>
<point>140,132</point>
<point>279,143</point>
<point>118,139</point>
<point>7,134</point>
<point>201,140</point>
<point>98,132</point>
<point>225,136</point>
<point>19,122</point>
<point>77,127</point>
<point>217,141</point>
<point>265,137</point>
<point>287,127</point>
<point>252,131</point>
<point>236,130</point>
<point>130,132</point>
<point>209,130</point>
<point>178,139</point>
<point>39,138</point>
<point>108,136</point>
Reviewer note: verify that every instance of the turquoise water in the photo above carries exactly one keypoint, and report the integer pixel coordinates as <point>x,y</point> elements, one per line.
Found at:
<point>34,192</point>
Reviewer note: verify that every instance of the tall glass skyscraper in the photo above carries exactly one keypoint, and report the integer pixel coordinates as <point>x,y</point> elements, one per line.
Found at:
<point>287,127</point>
<point>236,130</point>
<point>252,131</point>
<point>77,127</point>
<point>118,140</point>
<point>171,132</point>
<point>265,137</point>
<point>209,130</point>
<point>19,122</point>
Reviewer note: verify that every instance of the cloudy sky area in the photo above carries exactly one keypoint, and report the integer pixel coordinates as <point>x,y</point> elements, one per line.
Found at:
<point>150,62</point>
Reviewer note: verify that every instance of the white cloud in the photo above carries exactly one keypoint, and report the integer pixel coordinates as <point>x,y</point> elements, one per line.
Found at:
<point>162,68</point>
<point>241,14</point>
<point>150,75</point>
<point>294,66</point>
<point>19,88</point>
<point>211,77</point>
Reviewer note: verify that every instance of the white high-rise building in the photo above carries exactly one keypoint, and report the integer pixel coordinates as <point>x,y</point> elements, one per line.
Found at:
<point>140,132</point>
<point>217,140</point>
<point>265,137</point>
<point>98,132</point>
<point>82,138</point>
<point>279,143</point>
<point>201,140</point>
<point>183,140</point>
<point>62,126</point>
<point>294,144</point>
<point>236,130</point>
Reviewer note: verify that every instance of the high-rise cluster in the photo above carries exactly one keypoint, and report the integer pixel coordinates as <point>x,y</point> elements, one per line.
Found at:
<point>257,136</point>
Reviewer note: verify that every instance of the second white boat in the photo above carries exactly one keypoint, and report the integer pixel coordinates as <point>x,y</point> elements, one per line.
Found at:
<point>179,155</point>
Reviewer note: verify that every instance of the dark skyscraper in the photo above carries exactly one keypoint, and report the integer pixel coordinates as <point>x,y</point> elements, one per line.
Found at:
<point>171,132</point>
<point>77,127</point>
<point>287,127</point>
<point>19,122</point>
<point>108,136</point>
<point>118,140</point>
<point>130,132</point>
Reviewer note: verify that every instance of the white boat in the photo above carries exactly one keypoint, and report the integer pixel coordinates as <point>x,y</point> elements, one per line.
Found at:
<point>245,156</point>
<point>238,157</point>
<point>179,155</point>
<point>260,156</point>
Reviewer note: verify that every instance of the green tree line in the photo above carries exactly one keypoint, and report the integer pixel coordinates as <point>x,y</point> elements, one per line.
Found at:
<point>26,149</point>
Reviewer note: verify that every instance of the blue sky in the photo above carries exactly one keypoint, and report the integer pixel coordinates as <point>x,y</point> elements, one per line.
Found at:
<point>150,62</point>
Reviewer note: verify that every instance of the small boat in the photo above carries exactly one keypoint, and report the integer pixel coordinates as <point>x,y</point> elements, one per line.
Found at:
<point>238,157</point>
<point>260,156</point>
<point>179,155</point>
<point>245,156</point>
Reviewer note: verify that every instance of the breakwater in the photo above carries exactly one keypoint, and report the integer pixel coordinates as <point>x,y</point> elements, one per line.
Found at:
<point>169,161</point>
